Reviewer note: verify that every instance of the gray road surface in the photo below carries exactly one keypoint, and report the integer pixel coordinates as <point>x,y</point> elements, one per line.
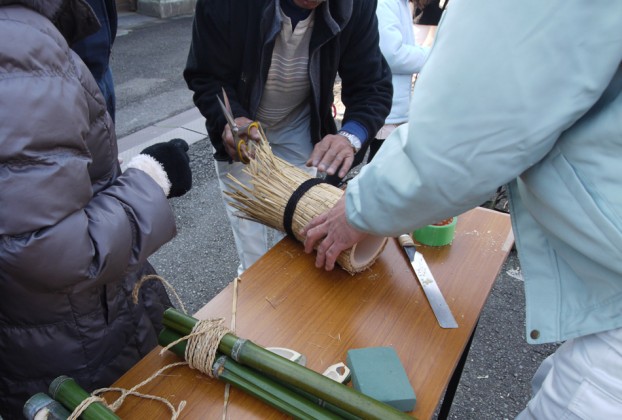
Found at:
<point>148,59</point>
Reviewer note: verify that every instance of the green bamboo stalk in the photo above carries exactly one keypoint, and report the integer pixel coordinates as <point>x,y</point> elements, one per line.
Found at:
<point>41,405</point>
<point>285,371</point>
<point>168,336</point>
<point>67,391</point>
<point>273,393</point>
<point>255,384</point>
<point>234,367</point>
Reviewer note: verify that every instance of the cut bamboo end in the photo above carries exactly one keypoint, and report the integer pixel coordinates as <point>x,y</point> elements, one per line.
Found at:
<point>272,182</point>
<point>364,254</point>
<point>66,390</point>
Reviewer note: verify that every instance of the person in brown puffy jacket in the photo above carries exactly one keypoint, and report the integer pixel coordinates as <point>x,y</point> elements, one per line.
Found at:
<point>75,231</point>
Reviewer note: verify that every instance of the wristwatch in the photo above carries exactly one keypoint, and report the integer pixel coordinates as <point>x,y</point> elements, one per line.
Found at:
<point>354,140</point>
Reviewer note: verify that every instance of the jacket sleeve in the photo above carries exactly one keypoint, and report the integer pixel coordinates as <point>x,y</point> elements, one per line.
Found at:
<point>214,62</point>
<point>482,119</point>
<point>402,57</point>
<point>366,88</point>
<point>68,219</point>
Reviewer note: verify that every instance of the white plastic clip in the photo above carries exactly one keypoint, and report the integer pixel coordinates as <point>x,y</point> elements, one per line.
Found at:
<point>289,354</point>
<point>338,372</point>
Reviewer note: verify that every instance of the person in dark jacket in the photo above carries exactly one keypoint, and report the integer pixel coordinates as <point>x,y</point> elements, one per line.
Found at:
<point>278,61</point>
<point>95,49</point>
<point>75,232</point>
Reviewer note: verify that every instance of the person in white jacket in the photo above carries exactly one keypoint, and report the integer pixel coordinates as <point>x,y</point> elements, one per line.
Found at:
<point>540,110</point>
<point>405,58</point>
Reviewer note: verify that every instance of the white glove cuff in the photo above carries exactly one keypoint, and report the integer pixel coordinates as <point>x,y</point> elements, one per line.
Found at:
<point>154,169</point>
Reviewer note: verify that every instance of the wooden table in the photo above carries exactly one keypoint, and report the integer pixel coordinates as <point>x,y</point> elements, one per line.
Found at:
<point>284,301</point>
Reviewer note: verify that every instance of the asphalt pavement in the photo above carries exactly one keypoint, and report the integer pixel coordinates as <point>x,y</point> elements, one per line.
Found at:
<point>154,104</point>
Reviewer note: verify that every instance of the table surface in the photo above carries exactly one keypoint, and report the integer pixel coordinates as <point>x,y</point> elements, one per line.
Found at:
<point>284,301</point>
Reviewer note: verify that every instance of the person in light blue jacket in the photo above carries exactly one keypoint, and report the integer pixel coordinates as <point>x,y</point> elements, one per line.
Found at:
<point>405,58</point>
<point>541,110</point>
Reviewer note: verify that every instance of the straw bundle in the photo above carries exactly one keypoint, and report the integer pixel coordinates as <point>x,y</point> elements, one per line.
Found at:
<point>273,182</point>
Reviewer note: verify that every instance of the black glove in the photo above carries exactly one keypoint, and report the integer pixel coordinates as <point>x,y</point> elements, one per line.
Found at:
<point>173,156</point>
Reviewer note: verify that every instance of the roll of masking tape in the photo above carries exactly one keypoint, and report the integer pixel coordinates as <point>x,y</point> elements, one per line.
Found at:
<point>438,234</point>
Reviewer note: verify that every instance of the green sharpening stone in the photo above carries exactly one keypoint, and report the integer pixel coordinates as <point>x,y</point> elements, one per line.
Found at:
<point>378,372</point>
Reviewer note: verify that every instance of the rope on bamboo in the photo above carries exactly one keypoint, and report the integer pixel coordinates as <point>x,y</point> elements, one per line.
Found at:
<point>205,336</point>
<point>84,405</point>
<point>290,207</point>
<point>202,344</point>
<point>125,393</point>
<point>201,351</point>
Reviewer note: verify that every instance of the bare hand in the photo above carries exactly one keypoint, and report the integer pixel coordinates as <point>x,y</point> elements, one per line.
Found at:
<point>231,143</point>
<point>332,152</point>
<point>332,234</point>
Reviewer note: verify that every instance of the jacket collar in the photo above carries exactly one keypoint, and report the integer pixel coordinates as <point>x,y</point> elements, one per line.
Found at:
<point>336,13</point>
<point>73,18</point>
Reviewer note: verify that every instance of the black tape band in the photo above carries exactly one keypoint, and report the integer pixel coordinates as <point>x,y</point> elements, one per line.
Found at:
<point>290,208</point>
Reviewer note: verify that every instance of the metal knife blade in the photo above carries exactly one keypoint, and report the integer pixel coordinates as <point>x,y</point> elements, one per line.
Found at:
<point>428,283</point>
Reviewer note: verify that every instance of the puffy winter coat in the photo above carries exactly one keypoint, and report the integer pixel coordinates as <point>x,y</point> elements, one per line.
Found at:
<point>75,232</point>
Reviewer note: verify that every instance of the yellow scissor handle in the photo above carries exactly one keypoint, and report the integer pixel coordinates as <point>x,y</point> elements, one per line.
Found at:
<point>254,124</point>
<point>242,142</point>
<point>241,155</point>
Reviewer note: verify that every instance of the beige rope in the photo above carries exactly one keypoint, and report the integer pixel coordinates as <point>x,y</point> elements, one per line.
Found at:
<point>125,393</point>
<point>132,391</point>
<point>148,277</point>
<point>201,348</point>
<point>84,405</point>
<point>234,306</point>
<point>202,344</point>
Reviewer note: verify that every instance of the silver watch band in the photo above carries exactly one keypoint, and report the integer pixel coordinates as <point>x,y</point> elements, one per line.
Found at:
<point>354,140</point>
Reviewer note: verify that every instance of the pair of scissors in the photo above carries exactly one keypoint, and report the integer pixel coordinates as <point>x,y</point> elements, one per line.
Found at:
<point>236,130</point>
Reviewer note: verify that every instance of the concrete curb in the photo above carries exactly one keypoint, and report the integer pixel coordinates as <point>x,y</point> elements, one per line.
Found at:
<point>189,125</point>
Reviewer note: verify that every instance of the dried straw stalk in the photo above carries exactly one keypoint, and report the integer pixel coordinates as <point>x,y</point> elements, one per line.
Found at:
<point>273,181</point>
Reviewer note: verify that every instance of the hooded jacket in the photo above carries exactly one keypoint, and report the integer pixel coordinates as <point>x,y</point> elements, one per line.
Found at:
<point>232,43</point>
<point>75,232</point>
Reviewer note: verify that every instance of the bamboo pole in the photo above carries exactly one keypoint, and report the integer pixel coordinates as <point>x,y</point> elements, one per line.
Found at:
<point>168,336</point>
<point>41,405</point>
<point>255,384</point>
<point>247,353</point>
<point>67,391</point>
